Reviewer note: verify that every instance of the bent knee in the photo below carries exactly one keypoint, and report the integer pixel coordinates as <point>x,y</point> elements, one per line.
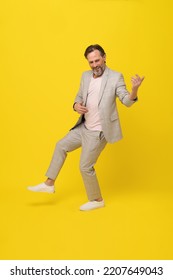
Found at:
<point>87,169</point>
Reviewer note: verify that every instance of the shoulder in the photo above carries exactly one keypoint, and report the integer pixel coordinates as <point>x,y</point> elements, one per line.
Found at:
<point>113,73</point>
<point>87,73</point>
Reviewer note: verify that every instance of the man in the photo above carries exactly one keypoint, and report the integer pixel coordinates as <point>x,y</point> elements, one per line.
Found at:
<point>98,123</point>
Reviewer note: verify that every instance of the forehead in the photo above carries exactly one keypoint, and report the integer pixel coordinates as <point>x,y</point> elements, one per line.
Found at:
<point>94,55</point>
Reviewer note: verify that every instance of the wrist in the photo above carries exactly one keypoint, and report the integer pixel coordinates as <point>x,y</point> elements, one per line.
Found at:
<point>133,94</point>
<point>133,97</point>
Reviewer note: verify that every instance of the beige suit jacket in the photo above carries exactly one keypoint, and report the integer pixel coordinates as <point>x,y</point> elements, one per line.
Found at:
<point>112,86</point>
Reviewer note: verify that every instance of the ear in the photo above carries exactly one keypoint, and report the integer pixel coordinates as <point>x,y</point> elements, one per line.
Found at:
<point>104,57</point>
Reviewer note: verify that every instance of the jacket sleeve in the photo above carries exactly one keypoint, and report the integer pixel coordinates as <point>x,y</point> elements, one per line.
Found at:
<point>79,95</point>
<point>122,93</point>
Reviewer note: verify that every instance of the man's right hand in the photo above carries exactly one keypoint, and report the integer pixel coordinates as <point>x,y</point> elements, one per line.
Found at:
<point>80,108</point>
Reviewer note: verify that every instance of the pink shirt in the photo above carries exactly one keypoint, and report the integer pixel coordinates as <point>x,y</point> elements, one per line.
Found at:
<point>92,118</point>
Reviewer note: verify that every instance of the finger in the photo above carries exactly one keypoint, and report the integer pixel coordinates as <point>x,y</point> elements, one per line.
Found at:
<point>83,110</point>
<point>134,80</point>
<point>82,107</point>
<point>140,78</point>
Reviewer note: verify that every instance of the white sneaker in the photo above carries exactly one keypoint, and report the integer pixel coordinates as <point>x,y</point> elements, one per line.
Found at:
<point>42,188</point>
<point>92,205</point>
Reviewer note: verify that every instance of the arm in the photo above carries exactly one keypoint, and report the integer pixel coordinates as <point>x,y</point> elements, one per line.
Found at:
<point>78,103</point>
<point>124,96</point>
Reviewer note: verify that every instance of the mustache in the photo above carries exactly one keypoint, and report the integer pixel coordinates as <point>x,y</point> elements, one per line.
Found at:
<point>97,68</point>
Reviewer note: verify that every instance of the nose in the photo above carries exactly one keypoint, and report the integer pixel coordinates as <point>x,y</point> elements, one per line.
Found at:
<point>95,64</point>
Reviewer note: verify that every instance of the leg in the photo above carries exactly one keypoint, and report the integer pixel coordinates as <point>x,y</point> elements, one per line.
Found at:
<point>67,144</point>
<point>93,142</point>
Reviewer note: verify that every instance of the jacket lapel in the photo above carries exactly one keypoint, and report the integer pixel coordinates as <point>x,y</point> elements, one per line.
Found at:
<point>86,86</point>
<point>103,84</point>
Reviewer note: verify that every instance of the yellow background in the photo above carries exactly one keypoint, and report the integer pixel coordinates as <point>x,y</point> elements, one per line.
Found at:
<point>41,61</point>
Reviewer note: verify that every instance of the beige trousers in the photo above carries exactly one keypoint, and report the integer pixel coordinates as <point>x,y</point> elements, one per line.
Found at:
<point>92,143</point>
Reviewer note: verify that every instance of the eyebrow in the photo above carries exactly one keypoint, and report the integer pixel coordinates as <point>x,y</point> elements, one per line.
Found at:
<point>94,60</point>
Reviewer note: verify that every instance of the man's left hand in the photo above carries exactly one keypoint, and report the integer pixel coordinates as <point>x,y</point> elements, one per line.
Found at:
<point>136,81</point>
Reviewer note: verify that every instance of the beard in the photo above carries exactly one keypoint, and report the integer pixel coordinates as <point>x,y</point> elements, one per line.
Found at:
<point>98,71</point>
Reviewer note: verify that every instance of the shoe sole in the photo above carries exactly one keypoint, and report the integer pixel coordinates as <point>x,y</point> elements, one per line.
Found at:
<point>40,191</point>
